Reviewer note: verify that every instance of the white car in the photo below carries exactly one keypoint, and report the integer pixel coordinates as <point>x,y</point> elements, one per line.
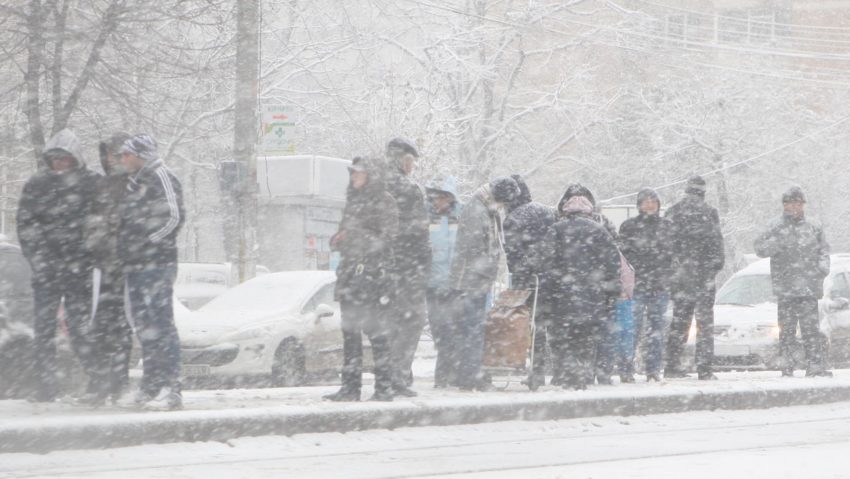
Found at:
<point>198,283</point>
<point>283,325</point>
<point>746,333</point>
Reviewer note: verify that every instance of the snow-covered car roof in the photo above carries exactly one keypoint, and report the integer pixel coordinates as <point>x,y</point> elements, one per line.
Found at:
<point>284,291</point>
<point>762,266</point>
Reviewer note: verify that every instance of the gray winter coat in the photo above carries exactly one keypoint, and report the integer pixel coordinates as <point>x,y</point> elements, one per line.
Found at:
<point>475,264</point>
<point>799,257</point>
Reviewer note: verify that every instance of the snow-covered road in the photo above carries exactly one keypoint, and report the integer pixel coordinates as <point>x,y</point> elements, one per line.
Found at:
<point>803,441</point>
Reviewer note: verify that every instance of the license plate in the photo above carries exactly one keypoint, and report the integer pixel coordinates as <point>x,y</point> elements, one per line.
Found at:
<point>194,370</point>
<point>731,350</point>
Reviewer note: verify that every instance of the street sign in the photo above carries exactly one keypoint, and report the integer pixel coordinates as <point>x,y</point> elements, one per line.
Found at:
<point>277,135</point>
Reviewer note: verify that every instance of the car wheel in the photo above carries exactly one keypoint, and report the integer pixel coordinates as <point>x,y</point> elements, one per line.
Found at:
<point>289,368</point>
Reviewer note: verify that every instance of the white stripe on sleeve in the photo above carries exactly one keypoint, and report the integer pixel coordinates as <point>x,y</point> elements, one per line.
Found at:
<point>174,211</point>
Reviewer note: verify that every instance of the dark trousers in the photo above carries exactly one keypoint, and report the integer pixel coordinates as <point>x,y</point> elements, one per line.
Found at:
<point>573,342</point>
<point>111,337</point>
<point>699,307</point>
<point>149,294</point>
<point>468,342</point>
<point>802,310</point>
<point>73,292</point>
<point>358,319</point>
<point>441,314</point>
<point>410,312</point>
<point>606,339</point>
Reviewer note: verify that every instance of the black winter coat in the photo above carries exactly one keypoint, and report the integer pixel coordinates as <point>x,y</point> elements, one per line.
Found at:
<point>412,241</point>
<point>51,221</point>
<point>582,268</point>
<point>645,243</point>
<point>151,216</point>
<point>525,227</point>
<point>696,243</point>
<point>365,242</point>
<point>799,257</point>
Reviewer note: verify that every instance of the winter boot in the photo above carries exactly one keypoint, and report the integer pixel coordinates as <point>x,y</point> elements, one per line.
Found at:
<point>168,399</point>
<point>343,395</point>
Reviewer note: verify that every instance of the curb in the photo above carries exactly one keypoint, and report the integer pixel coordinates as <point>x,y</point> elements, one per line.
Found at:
<point>94,432</point>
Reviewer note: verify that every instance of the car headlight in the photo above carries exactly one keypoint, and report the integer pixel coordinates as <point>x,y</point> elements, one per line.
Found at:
<point>771,331</point>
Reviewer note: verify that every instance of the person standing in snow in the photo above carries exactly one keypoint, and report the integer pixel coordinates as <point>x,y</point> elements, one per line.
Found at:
<point>111,334</point>
<point>365,240</point>
<point>799,263</point>
<point>412,262</point>
<point>582,261</point>
<point>52,212</point>
<point>525,226</point>
<point>644,240</point>
<point>697,247</point>
<point>474,269</point>
<point>151,216</point>
<point>605,334</point>
<point>444,209</point>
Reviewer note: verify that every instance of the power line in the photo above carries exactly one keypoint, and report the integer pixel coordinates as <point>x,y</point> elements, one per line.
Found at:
<point>717,46</point>
<point>726,17</point>
<point>742,162</point>
<point>572,34</point>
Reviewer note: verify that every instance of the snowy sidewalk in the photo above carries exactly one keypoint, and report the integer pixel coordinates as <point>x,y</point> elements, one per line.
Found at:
<point>226,414</point>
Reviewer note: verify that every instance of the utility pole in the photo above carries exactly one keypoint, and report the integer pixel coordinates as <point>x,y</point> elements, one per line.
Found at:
<point>245,133</point>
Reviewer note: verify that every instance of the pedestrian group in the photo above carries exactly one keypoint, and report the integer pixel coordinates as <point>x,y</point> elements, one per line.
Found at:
<point>409,256</point>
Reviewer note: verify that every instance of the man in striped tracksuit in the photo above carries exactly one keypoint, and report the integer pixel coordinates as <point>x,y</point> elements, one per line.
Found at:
<point>151,216</point>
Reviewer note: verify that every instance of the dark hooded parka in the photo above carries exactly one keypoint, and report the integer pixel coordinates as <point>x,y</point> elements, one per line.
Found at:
<point>110,333</point>
<point>53,211</point>
<point>525,227</point>
<point>582,263</point>
<point>51,221</point>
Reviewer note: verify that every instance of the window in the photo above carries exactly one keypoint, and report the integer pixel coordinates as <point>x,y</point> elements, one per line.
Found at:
<point>324,296</point>
<point>840,287</point>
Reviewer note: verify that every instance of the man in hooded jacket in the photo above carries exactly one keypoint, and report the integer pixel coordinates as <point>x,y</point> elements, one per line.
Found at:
<point>697,255</point>
<point>412,262</point>
<point>474,269</point>
<point>52,212</point>
<point>525,226</point>
<point>799,262</point>
<point>111,334</point>
<point>645,244</point>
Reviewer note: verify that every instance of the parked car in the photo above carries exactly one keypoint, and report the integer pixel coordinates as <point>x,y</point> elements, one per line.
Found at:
<point>16,319</point>
<point>198,283</point>
<point>284,326</point>
<point>746,333</point>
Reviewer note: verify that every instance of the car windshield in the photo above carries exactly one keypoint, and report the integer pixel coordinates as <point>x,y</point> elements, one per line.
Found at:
<point>266,293</point>
<point>747,290</point>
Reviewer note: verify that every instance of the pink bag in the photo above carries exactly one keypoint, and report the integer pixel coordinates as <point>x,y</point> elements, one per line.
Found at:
<point>627,278</point>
